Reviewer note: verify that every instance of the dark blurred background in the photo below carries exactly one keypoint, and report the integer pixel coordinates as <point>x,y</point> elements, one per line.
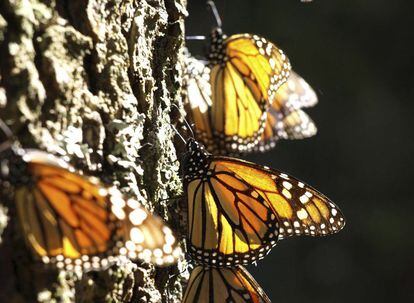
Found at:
<point>359,57</point>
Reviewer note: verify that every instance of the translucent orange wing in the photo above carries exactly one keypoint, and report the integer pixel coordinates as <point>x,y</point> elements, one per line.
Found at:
<point>222,285</point>
<point>75,221</point>
<point>237,210</point>
<point>246,71</point>
<point>285,118</point>
<point>298,208</point>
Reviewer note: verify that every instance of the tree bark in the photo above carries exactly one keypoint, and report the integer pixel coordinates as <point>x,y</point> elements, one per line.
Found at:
<point>93,81</point>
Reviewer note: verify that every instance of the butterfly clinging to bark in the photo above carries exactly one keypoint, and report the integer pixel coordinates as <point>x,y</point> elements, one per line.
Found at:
<point>75,221</point>
<point>244,97</point>
<point>238,210</point>
<point>243,73</point>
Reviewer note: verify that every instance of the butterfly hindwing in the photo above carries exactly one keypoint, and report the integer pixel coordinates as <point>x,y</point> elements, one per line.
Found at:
<point>221,233</point>
<point>222,285</point>
<point>295,93</point>
<point>147,237</point>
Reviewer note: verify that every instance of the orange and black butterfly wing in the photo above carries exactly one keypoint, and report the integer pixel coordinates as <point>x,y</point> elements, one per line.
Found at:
<point>66,218</point>
<point>285,118</point>
<point>238,210</point>
<point>222,285</point>
<point>75,221</point>
<point>246,71</point>
<point>298,208</point>
<point>229,223</point>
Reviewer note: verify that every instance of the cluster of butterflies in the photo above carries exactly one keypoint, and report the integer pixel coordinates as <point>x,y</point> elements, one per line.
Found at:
<point>243,98</point>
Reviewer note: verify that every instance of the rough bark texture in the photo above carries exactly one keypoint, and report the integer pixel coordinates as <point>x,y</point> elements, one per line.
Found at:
<point>94,81</point>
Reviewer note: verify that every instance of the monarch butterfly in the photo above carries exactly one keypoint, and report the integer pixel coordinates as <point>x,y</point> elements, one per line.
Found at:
<point>244,72</point>
<point>285,118</point>
<point>238,210</point>
<point>221,285</point>
<point>74,221</point>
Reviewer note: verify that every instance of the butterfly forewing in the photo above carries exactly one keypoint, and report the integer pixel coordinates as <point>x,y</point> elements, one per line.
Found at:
<point>222,285</point>
<point>260,61</point>
<point>299,208</point>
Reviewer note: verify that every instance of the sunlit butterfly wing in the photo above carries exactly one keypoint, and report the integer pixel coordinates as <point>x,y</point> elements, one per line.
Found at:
<point>198,101</point>
<point>285,118</point>
<point>237,210</point>
<point>246,71</point>
<point>75,221</point>
<point>223,285</point>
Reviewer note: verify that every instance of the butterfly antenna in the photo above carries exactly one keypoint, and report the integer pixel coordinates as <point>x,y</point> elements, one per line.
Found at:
<point>178,133</point>
<point>185,121</point>
<point>216,14</point>
<point>189,127</point>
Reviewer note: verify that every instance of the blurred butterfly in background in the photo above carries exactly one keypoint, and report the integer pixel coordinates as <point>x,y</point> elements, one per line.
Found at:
<point>285,118</point>
<point>243,73</point>
<point>75,221</point>
<point>222,285</point>
<point>237,210</point>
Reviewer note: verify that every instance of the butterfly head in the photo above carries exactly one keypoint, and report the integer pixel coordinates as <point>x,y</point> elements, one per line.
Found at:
<point>196,149</point>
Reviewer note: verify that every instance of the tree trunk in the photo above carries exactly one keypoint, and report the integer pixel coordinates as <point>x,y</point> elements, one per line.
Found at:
<point>93,80</point>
